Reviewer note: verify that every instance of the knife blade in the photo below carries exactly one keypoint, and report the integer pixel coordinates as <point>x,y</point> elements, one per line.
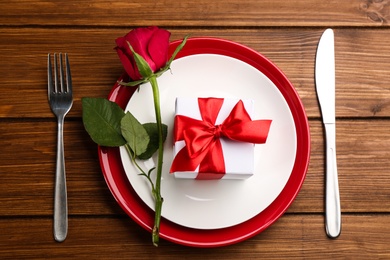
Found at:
<point>325,87</point>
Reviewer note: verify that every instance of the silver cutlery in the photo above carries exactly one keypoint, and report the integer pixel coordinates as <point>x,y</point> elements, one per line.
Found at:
<point>60,100</point>
<point>325,85</point>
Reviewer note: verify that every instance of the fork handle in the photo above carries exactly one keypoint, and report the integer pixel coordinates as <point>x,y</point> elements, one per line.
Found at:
<point>60,194</point>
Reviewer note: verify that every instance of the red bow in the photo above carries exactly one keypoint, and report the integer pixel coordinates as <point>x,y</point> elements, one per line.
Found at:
<point>202,138</point>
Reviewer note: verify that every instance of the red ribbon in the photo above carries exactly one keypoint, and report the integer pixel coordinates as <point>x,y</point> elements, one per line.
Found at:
<point>202,137</point>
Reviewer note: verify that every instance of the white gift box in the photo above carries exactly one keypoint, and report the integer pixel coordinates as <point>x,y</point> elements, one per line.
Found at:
<point>238,156</point>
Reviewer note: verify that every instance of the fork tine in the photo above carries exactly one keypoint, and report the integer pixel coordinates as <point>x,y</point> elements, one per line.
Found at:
<point>57,84</point>
<point>49,76</point>
<point>62,79</point>
<point>68,75</point>
<point>56,78</point>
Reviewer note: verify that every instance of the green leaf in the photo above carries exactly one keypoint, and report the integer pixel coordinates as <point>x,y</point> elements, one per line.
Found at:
<point>101,119</point>
<point>134,133</point>
<point>178,48</point>
<point>151,128</point>
<point>132,83</point>
<point>143,67</point>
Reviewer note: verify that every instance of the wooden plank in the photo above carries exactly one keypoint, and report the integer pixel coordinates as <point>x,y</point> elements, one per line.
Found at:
<point>292,236</point>
<point>27,167</point>
<point>195,13</point>
<point>24,72</point>
<point>28,161</point>
<point>363,159</point>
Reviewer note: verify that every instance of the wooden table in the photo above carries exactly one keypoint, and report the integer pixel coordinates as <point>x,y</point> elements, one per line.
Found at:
<point>287,32</point>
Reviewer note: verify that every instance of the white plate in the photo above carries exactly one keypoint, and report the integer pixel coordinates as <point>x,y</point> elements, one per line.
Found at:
<point>218,203</point>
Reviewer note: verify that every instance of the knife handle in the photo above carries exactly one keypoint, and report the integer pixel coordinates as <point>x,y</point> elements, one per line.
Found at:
<point>332,196</point>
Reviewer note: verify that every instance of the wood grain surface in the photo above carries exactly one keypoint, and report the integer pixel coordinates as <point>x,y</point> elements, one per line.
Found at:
<point>286,32</point>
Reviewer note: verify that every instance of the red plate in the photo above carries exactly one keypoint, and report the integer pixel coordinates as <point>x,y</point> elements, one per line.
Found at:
<point>130,202</point>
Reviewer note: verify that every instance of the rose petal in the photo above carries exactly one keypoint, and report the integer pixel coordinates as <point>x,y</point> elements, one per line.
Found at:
<point>126,58</point>
<point>139,39</point>
<point>158,48</point>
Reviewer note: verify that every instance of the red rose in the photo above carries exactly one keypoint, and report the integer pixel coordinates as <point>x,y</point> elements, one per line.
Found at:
<point>151,43</point>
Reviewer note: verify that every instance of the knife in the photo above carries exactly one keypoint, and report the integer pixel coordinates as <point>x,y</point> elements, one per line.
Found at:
<point>325,86</point>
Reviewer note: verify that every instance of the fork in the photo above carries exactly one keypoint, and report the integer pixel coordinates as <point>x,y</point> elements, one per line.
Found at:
<point>60,100</point>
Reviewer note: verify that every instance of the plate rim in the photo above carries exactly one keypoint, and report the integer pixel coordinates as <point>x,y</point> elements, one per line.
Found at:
<point>143,215</point>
